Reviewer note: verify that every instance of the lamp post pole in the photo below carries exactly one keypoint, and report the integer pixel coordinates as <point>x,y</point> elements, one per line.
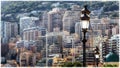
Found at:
<point>84,48</point>
<point>96,52</point>
<point>85,19</point>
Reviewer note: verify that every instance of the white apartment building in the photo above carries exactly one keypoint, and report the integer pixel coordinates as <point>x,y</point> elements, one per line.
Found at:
<point>26,22</point>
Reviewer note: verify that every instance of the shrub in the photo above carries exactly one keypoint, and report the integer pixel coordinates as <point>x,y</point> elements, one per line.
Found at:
<point>70,64</point>
<point>110,65</point>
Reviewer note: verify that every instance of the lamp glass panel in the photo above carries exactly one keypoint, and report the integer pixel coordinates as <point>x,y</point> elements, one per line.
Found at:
<point>85,24</point>
<point>96,56</point>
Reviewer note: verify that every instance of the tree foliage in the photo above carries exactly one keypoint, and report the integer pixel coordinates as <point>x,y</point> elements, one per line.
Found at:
<point>112,7</point>
<point>70,64</point>
<point>110,65</point>
<point>24,6</point>
<point>17,7</point>
<point>114,15</point>
<point>27,6</point>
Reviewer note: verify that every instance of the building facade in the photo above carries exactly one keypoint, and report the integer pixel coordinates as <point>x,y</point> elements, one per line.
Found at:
<point>8,31</point>
<point>32,34</point>
<point>55,19</point>
<point>114,43</point>
<point>69,20</point>
<point>27,22</point>
<point>45,19</point>
<point>78,30</point>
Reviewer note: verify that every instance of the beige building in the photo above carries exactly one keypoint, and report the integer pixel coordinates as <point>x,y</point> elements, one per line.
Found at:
<point>32,34</point>
<point>69,20</point>
<point>45,19</point>
<point>27,59</point>
<point>55,19</point>
<point>115,30</point>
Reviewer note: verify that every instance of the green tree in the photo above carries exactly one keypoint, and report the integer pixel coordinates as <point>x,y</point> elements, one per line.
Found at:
<point>77,64</point>
<point>114,15</point>
<point>67,64</point>
<point>70,64</point>
<point>110,65</point>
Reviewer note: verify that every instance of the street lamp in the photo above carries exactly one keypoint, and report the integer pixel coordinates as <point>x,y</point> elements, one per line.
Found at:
<point>96,52</point>
<point>85,19</point>
<point>97,59</point>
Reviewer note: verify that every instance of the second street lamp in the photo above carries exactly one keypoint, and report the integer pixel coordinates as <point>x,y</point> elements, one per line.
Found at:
<point>97,59</point>
<point>85,25</point>
<point>96,52</point>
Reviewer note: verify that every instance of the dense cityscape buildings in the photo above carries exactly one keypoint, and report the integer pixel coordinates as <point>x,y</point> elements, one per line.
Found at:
<point>8,33</point>
<point>27,22</point>
<point>54,37</point>
<point>70,18</point>
<point>55,19</point>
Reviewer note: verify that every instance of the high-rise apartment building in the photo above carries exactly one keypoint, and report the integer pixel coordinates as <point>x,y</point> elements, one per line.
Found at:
<point>8,31</point>
<point>110,45</point>
<point>99,26</point>
<point>55,19</point>
<point>27,22</point>
<point>114,43</point>
<point>69,20</point>
<point>105,49</point>
<point>45,19</point>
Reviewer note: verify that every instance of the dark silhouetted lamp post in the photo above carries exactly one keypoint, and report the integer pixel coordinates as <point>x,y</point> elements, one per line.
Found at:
<point>85,19</point>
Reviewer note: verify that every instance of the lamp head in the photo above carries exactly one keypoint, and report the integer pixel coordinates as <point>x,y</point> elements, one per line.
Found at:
<point>85,10</point>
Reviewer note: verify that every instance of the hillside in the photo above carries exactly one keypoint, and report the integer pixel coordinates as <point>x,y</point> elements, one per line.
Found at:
<point>25,6</point>
<point>17,7</point>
